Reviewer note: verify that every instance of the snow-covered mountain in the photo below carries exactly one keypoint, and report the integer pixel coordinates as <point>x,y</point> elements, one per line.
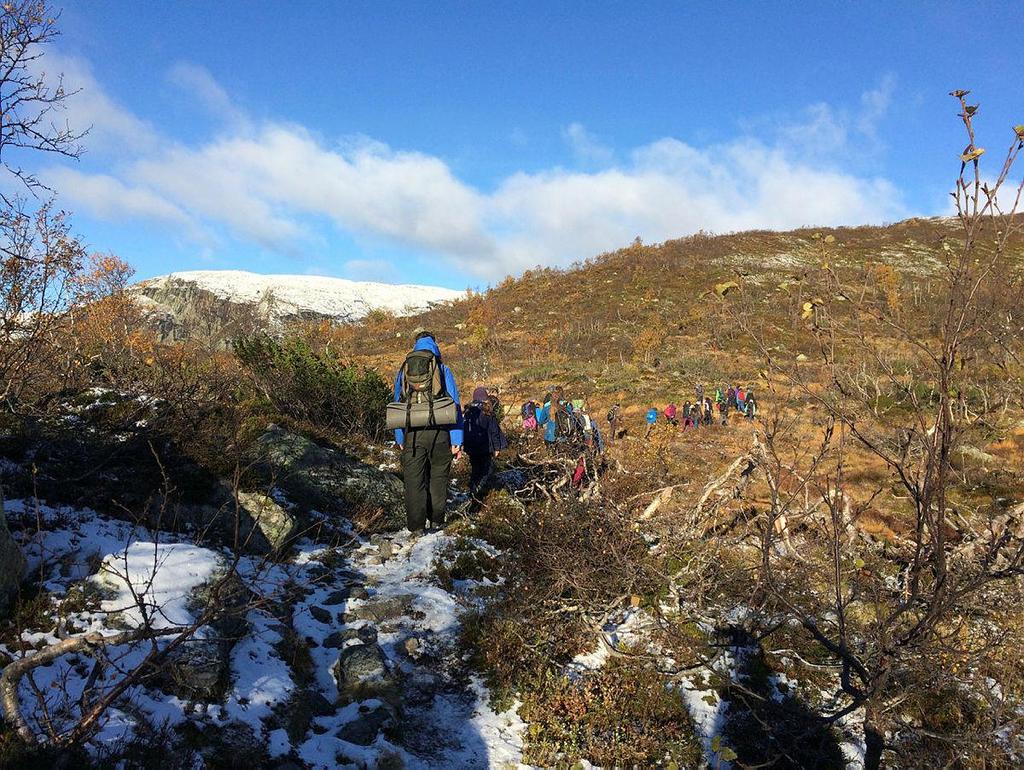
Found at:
<point>215,302</point>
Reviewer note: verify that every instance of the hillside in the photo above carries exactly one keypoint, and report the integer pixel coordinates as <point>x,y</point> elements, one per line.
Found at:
<point>213,303</point>
<point>625,322</point>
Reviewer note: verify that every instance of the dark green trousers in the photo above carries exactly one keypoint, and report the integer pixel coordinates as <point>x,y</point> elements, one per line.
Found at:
<point>426,468</point>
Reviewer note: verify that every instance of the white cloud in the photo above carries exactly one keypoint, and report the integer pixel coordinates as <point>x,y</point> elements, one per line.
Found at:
<point>370,270</point>
<point>278,185</point>
<point>111,126</point>
<point>106,197</point>
<point>587,148</point>
<point>198,82</point>
<point>874,106</point>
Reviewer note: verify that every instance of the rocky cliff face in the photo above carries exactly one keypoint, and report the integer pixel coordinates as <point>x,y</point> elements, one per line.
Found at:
<point>220,304</point>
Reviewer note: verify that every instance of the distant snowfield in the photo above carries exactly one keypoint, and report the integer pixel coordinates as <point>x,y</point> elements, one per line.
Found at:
<point>291,294</point>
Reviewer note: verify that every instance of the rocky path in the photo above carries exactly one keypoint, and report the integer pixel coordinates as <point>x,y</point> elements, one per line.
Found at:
<point>384,642</point>
<point>348,657</point>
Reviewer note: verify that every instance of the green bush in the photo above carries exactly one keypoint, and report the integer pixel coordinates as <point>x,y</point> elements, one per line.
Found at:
<point>311,383</point>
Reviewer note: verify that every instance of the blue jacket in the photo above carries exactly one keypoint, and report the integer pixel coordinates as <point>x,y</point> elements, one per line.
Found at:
<point>550,423</point>
<point>427,343</point>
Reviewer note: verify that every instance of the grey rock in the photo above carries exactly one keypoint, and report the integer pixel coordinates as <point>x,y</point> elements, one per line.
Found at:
<point>12,565</point>
<point>386,549</point>
<point>336,597</point>
<point>366,634</point>
<point>319,613</point>
<point>364,730</point>
<point>234,598</point>
<point>358,592</point>
<point>232,744</point>
<point>362,671</point>
<point>966,455</point>
<point>197,670</point>
<point>336,640</point>
<point>264,526</point>
<point>384,609</point>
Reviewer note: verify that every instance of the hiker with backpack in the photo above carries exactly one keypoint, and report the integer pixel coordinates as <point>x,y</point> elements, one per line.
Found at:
<point>687,416</point>
<point>483,439</point>
<point>529,414</point>
<point>652,420</point>
<point>751,407</point>
<point>613,422</point>
<point>709,414</point>
<point>549,416</point>
<point>426,416</point>
<point>670,414</point>
<point>741,397</point>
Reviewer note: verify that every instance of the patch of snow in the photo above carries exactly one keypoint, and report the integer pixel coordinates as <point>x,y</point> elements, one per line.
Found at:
<point>159,576</point>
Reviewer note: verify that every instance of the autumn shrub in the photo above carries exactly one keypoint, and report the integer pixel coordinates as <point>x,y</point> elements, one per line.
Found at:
<point>565,565</point>
<point>311,383</point>
<point>622,715</point>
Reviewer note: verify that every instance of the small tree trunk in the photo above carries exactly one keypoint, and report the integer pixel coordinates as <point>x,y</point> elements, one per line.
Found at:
<point>874,740</point>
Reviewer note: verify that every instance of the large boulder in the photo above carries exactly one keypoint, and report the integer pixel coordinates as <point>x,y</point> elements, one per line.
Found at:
<point>324,479</point>
<point>12,565</point>
<point>363,671</point>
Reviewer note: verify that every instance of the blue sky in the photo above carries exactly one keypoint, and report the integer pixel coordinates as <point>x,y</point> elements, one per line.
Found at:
<point>454,143</point>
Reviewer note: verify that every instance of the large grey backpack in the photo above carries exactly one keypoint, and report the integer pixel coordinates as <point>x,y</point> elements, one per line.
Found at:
<point>424,401</point>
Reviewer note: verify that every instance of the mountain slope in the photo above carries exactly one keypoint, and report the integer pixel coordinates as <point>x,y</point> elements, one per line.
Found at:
<point>649,320</point>
<point>211,303</point>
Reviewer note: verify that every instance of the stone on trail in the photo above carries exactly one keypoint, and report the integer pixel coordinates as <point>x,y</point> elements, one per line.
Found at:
<point>364,730</point>
<point>265,526</point>
<point>234,598</point>
<point>384,609</point>
<point>362,671</point>
<point>319,613</point>
<point>12,565</point>
<point>338,639</point>
<point>340,596</point>
<point>197,670</point>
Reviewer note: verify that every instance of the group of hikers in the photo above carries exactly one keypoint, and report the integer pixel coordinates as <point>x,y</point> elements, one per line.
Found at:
<point>564,421</point>
<point>433,428</point>
<point>701,411</point>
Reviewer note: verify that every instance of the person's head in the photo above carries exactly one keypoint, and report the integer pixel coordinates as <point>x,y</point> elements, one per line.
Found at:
<point>420,333</point>
<point>480,394</point>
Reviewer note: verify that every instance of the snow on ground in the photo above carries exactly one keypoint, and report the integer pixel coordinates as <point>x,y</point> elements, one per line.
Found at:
<point>287,294</point>
<point>445,719</point>
<point>159,576</point>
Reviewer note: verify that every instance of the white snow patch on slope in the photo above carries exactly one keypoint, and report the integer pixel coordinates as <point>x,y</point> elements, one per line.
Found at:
<point>161,576</point>
<point>285,295</point>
